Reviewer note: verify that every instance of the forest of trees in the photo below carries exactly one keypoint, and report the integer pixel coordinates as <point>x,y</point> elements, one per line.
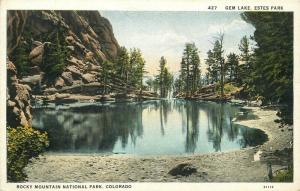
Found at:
<point>127,70</point>
<point>263,70</point>
<point>271,65</point>
<point>233,68</point>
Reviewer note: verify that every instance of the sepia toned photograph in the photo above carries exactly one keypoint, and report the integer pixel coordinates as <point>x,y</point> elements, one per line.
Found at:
<point>149,96</point>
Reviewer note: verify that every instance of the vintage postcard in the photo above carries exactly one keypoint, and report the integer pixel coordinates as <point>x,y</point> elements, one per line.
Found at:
<point>158,95</point>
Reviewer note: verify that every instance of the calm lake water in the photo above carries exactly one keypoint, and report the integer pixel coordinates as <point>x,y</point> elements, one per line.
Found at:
<point>166,127</point>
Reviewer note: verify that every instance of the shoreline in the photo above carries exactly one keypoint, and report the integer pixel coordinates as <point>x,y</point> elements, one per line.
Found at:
<point>228,166</point>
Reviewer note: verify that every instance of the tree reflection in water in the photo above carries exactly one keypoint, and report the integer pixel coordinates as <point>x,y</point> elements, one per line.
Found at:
<point>183,127</point>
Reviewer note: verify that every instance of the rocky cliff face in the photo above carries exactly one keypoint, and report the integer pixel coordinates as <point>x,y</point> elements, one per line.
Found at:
<point>89,40</point>
<point>18,99</point>
<point>88,36</point>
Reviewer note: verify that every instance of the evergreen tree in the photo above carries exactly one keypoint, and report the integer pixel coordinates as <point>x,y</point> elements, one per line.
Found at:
<point>106,74</point>
<point>212,69</point>
<point>218,51</point>
<point>55,55</point>
<point>122,65</point>
<point>150,84</point>
<point>190,69</point>
<point>232,67</point>
<point>178,85</point>
<point>167,82</point>
<point>21,60</point>
<point>136,68</point>
<point>162,66</point>
<point>164,78</point>
<point>185,67</point>
<point>245,56</point>
<point>196,73</point>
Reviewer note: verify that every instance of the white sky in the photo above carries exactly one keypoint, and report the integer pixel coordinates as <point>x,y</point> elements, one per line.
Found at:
<point>165,33</point>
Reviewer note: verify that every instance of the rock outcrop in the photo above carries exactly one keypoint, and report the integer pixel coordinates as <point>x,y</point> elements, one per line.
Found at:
<point>88,36</point>
<point>18,99</point>
<point>89,40</point>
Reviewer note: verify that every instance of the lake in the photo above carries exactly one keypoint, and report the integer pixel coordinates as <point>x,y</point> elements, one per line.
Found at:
<point>163,127</point>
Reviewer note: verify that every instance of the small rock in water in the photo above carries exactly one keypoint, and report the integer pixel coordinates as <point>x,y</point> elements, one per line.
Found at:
<point>184,169</point>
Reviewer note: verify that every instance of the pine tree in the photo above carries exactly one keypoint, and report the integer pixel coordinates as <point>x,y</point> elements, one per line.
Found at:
<point>245,56</point>
<point>167,82</point>
<point>55,55</point>
<point>150,84</point>
<point>232,67</point>
<point>164,78</point>
<point>212,69</point>
<point>196,73</point>
<point>162,66</point>
<point>20,58</point>
<point>190,69</point>
<point>185,65</point>
<point>218,51</point>
<point>122,64</point>
<point>136,68</point>
<point>106,73</point>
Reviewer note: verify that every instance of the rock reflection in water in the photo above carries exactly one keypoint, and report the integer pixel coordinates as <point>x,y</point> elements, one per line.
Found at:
<point>156,127</point>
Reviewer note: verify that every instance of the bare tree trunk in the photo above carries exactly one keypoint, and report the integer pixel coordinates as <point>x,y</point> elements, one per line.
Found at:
<point>222,78</point>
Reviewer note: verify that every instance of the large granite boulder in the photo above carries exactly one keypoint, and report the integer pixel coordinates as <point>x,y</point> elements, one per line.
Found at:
<point>36,55</point>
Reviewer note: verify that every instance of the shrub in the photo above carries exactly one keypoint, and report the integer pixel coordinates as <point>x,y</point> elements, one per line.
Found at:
<point>284,176</point>
<point>229,88</point>
<point>23,144</point>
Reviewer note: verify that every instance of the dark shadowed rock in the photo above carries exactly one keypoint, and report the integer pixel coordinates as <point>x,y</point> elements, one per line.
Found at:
<point>184,169</point>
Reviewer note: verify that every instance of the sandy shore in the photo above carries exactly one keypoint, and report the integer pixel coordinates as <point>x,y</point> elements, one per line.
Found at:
<point>232,166</point>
